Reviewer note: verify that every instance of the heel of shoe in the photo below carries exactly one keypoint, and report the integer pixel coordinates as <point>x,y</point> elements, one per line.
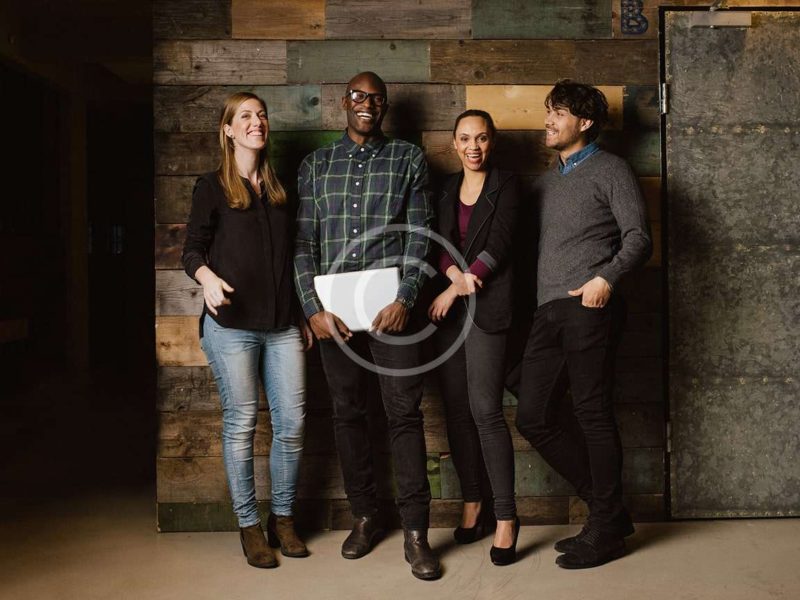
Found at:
<point>506,556</point>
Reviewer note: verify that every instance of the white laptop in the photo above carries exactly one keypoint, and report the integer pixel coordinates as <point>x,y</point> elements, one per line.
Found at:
<point>357,297</point>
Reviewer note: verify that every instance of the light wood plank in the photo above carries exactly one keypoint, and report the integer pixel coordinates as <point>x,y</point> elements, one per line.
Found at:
<point>522,106</point>
<point>219,62</point>
<point>188,109</point>
<point>370,19</point>
<point>502,61</point>
<point>337,61</point>
<point>542,19</point>
<point>202,479</point>
<point>187,19</point>
<point>278,19</point>
<point>177,294</point>
<point>413,107</point>
<point>178,342</point>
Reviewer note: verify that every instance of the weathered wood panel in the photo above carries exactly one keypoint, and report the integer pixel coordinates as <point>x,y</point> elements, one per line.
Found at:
<point>169,241</point>
<point>413,107</point>
<point>641,108</point>
<point>642,149</point>
<point>522,106</point>
<point>187,19</point>
<point>219,62</point>
<point>617,62</point>
<point>432,19</point>
<point>278,19</point>
<point>178,342</point>
<point>177,294</point>
<point>502,61</point>
<point>636,19</point>
<point>187,389</point>
<point>643,508</point>
<point>173,199</point>
<point>336,61</point>
<point>543,19</point>
<point>197,108</point>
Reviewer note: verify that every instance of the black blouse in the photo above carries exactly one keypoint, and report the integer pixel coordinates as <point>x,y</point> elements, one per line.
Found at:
<point>250,249</point>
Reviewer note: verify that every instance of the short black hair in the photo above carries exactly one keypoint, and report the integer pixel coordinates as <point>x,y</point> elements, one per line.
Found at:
<point>582,100</point>
<point>474,112</point>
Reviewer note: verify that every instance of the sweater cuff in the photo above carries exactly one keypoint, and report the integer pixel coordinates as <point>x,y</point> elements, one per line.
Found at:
<point>480,269</point>
<point>610,274</point>
<point>446,261</point>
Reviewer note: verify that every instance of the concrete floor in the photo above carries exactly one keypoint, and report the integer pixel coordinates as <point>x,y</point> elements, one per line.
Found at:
<point>104,545</point>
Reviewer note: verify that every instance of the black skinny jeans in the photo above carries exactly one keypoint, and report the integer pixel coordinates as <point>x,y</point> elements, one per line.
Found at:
<point>572,345</point>
<point>471,383</point>
<point>401,400</point>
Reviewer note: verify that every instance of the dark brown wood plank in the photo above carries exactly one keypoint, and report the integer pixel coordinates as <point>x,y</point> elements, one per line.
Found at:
<point>643,508</point>
<point>278,19</point>
<point>187,19</point>
<point>173,198</point>
<point>432,19</point>
<point>502,61</point>
<point>414,107</point>
<point>177,294</point>
<point>202,479</point>
<point>617,62</point>
<point>219,62</point>
<point>169,241</point>
<point>185,153</point>
<point>187,389</point>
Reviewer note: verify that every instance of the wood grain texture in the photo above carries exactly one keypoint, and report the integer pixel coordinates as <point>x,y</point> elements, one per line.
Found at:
<point>278,19</point>
<point>191,19</point>
<point>542,19</point>
<point>337,61</point>
<point>187,389</point>
<point>617,62</point>
<point>522,106</point>
<point>413,107</point>
<point>202,479</point>
<point>641,108</point>
<point>643,508</point>
<point>173,198</point>
<point>188,109</point>
<point>219,62</point>
<point>177,294</point>
<point>501,61</point>
<point>169,241</point>
<point>370,19</point>
<point>178,342</point>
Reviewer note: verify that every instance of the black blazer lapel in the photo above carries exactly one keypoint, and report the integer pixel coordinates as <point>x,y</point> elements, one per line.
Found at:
<point>448,210</point>
<point>484,208</point>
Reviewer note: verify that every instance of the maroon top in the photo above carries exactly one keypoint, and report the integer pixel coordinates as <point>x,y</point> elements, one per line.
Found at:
<point>446,261</point>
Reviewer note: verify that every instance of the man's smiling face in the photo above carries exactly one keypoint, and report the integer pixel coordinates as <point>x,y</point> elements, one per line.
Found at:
<point>364,118</point>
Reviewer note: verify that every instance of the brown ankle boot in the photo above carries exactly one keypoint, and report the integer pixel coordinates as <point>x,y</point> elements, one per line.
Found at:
<point>255,548</point>
<point>282,535</point>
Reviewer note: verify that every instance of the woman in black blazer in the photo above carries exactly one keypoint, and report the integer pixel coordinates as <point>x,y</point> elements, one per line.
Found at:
<point>477,211</point>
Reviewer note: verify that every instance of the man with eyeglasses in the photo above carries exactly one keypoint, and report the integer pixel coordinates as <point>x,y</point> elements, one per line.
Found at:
<point>348,189</point>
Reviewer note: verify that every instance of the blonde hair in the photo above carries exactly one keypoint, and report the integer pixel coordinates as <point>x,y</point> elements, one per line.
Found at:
<point>235,191</point>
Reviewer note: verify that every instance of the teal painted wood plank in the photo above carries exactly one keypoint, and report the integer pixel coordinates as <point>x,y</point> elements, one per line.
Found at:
<point>534,477</point>
<point>336,61</point>
<point>641,148</point>
<point>431,19</point>
<point>643,471</point>
<point>191,109</point>
<point>640,109</point>
<point>434,477</point>
<point>541,19</point>
<point>219,516</point>
<point>449,484</point>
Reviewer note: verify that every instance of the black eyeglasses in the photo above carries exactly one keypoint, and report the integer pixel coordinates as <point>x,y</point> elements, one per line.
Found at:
<point>358,97</point>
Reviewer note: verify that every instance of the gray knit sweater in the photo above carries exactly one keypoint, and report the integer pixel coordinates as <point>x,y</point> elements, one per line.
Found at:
<point>592,222</point>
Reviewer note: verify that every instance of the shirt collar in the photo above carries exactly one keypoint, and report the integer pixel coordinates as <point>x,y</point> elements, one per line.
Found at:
<point>576,158</point>
<point>354,149</point>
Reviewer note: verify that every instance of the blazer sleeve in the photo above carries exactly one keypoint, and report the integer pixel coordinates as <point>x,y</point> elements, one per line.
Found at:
<point>497,250</point>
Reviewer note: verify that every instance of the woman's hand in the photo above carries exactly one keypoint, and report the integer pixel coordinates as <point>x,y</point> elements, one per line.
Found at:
<point>214,289</point>
<point>306,335</point>
<point>464,283</point>
<point>441,304</point>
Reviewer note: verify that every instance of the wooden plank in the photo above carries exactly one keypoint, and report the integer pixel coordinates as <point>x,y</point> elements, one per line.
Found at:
<point>641,425</point>
<point>336,61</point>
<point>641,148</point>
<point>169,241</point>
<point>177,294</point>
<point>534,477</point>
<point>278,19</point>
<point>543,19</point>
<point>413,107</point>
<point>543,510</point>
<point>522,106</point>
<point>173,199</point>
<point>187,389</point>
<point>199,433</point>
<point>617,62</point>
<point>502,61</point>
<point>651,189</point>
<point>187,19</point>
<point>202,479</point>
<point>219,62</point>
<point>178,342</point>
<point>643,508</point>
<point>639,386</point>
<point>641,108</point>
<point>643,471</point>
<point>197,108</point>
<point>387,19</point>
<point>522,152</point>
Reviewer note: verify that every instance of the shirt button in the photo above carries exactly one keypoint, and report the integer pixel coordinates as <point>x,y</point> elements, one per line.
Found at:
<point>362,150</point>
<point>358,183</point>
<point>355,205</point>
<point>355,230</point>
<point>354,254</point>
<point>359,166</point>
<point>349,156</point>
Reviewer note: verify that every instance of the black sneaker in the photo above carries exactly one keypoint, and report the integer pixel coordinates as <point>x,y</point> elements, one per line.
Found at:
<point>594,548</point>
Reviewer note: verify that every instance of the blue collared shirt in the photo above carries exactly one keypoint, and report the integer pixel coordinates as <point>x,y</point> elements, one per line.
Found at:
<point>576,158</point>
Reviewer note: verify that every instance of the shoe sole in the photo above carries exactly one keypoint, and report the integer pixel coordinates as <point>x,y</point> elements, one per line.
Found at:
<point>373,541</point>
<point>619,553</point>
<point>424,576</point>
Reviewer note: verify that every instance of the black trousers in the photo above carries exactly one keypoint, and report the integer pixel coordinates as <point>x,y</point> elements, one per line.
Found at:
<point>471,384</point>
<point>572,345</point>
<point>401,400</point>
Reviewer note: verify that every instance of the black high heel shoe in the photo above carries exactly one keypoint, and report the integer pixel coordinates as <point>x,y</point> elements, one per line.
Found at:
<point>506,556</point>
<point>467,535</point>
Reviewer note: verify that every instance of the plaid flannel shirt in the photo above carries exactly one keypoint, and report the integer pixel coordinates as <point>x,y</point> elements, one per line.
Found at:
<point>347,190</point>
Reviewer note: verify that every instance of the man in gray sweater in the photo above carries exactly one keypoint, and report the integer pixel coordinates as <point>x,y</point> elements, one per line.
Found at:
<point>593,231</point>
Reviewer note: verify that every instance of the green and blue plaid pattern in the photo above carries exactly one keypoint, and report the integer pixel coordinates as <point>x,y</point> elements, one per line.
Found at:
<point>346,191</point>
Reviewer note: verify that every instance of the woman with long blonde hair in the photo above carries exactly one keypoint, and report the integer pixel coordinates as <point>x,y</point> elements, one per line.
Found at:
<point>239,248</point>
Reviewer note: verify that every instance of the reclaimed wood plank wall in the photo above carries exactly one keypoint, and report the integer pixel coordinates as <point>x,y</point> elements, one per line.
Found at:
<point>438,57</point>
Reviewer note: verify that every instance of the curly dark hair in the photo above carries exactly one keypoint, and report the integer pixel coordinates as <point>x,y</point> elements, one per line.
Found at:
<point>582,100</point>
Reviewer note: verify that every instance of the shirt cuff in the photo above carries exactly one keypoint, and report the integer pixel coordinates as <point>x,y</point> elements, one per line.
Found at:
<point>480,269</point>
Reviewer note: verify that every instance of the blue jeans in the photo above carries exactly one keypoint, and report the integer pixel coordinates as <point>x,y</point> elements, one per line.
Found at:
<point>238,357</point>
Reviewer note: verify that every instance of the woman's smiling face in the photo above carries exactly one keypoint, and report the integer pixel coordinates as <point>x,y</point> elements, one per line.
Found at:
<point>473,142</point>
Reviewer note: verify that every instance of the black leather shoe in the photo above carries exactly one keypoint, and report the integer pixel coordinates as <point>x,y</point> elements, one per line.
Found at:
<point>365,534</point>
<point>506,556</point>
<point>593,549</point>
<point>424,563</point>
<point>568,544</point>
